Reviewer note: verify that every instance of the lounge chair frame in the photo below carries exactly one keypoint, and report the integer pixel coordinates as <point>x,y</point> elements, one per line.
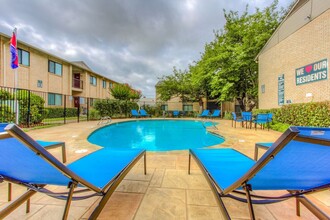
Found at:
<point>285,138</point>
<point>105,192</point>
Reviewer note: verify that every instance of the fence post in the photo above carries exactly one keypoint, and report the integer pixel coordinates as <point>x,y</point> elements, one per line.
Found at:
<point>87,109</point>
<point>28,117</point>
<point>78,108</point>
<point>64,110</point>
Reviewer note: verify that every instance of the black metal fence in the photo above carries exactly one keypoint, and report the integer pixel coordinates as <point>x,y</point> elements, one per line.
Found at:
<point>34,108</point>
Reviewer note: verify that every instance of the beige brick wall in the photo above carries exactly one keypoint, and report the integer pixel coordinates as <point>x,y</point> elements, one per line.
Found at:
<point>309,44</point>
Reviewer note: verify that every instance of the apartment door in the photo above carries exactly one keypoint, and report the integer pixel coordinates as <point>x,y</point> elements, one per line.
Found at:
<point>76,80</point>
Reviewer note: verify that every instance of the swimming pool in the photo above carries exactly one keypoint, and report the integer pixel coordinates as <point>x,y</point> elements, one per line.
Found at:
<point>155,135</point>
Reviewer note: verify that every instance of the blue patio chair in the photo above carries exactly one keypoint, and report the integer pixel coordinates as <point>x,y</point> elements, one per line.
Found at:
<point>23,161</point>
<point>235,119</point>
<point>143,113</point>
<point>216,113</point>
<point>297,162</point>
<point>270,117</point>
<point>247,119</point>
<point>135,113</point>
<point>176,113</point>
<point>204,114</point>
<point>261,120</point>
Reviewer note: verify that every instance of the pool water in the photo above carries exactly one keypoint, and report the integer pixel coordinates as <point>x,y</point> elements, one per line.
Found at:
<point>155,135</point>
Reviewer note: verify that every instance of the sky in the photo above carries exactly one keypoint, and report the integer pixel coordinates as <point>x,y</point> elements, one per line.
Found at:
<point>130,41</point>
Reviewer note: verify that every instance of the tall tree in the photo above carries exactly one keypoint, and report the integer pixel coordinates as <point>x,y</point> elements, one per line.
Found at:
<point>178,84</point>
<point>227,67</point>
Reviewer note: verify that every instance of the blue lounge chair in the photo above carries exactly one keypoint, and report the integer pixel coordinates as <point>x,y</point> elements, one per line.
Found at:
<point>235,119</point>
<point>23,161</point>
<point>297,162</point>
<point>216,113</point>
<point>261,120</point>
<point>44,144</point>
<point>143,113</point>
<point>204,114</point>
<point>176,113</point>
<point>261,145</point>
<point>135,113</point>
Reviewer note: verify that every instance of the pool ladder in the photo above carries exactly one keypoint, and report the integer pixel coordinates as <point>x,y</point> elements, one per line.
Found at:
<point>213,124</point>
<point>104,120</point>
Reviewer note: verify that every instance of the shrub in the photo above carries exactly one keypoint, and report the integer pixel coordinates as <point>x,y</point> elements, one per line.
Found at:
<point>305,114</point>
<point>36,102</point>
<point>59,112</point>
<point>227,115</point>
<point>5,95</point>
<point>94,114</point>
<point>108,107</point>
<point>6,114</point>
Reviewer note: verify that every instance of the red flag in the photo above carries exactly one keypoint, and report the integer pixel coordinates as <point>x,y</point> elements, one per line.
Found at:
<point>13,51</point>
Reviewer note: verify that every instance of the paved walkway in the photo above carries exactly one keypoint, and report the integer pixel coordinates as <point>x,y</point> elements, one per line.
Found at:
<point>166,192</point>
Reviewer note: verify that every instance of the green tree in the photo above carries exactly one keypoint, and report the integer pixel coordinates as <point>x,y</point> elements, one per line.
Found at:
<point>227,69</point>
<point>178,84</point>
<point>121,91</point>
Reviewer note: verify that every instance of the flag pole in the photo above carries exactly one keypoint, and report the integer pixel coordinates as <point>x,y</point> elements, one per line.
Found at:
<point>15,74</point>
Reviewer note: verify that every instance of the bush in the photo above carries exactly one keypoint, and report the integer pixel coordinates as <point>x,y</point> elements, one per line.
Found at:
<point>94,114</point>
<point>6,114</point>
<point>305,114</point>
<point>227,115</point>
<point>108,107</point>
<point>59,112</point>
<point>36,102</point>
<point>5,95</point>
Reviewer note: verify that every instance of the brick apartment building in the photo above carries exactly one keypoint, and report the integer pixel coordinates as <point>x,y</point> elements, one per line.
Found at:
<point>293,65</point>
<point>44,72</point>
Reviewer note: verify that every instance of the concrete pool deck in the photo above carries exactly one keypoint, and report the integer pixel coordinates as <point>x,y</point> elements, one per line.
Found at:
<point>166,192</point>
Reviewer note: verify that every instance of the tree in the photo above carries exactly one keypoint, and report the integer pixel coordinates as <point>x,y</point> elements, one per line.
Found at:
<point>227,68</point>
<point>125,92</point>
<point>178,84</point>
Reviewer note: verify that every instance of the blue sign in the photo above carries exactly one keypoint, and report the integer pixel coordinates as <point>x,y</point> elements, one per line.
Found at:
<point>312,73</point>
<point>281,89</point>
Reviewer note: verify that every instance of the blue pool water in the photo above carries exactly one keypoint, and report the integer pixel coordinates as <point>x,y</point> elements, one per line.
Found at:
<point>155,135</point>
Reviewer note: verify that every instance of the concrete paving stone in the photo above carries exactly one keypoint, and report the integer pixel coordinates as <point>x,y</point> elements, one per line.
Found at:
<point>20,212</point>
<point>133,186</point>
<point>182,180</point>
<point>157,178</point>
<point>138,174</point>
<point>160,203</point>
<point>55,212</point>
<point>121,206</point>
<point>204,213</point>
<point>201,197</point>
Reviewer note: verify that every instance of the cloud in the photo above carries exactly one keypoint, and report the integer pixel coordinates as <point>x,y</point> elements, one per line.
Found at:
<point>133,42</point>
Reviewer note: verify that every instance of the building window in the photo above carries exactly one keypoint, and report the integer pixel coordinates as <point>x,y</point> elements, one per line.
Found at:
<point>263,88</point>
<point>91,101</point>
<point>187,108</point>
<point>54,99</point>
<point>39,83</point>
<point>23,57</point>
<point>93,80</point>
<point>164,107</point>
<point>55,68</point>
<point>104,83</point>
<point>110,85</point>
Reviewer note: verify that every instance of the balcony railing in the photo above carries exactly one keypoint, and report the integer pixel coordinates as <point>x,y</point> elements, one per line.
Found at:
<point>77,83</point>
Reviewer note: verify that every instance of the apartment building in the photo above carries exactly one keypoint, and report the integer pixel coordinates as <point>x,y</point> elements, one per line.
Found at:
<point>41,71</point>
<point>293,65</point>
